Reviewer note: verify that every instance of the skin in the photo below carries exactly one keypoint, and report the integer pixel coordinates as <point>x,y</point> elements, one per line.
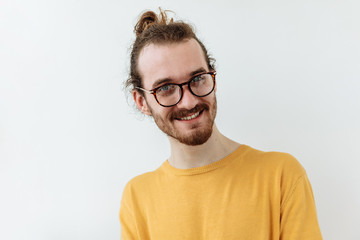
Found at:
<point>176,62</point>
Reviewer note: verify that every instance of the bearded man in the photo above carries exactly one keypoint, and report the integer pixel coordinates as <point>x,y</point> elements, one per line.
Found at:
<point>210,187</point>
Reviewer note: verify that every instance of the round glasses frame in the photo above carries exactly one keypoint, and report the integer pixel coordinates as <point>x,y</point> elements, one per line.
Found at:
<point>153,91</point>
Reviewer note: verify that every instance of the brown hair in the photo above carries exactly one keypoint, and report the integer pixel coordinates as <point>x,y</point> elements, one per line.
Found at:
<point>158,29</point>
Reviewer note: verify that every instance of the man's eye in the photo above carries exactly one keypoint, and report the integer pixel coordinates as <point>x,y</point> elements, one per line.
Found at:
<point>198,78</point>
<point>166,89</point>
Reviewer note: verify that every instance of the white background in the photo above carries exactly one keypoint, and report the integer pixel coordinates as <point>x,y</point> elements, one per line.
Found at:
<point>288,80</point>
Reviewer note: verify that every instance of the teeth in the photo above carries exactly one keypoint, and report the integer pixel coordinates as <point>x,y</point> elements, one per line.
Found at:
<point>190,117</point>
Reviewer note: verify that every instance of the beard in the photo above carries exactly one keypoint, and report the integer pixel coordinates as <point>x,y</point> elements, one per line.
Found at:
<point>199,132</point>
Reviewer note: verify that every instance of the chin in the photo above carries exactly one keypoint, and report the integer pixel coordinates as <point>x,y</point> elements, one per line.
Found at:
<point>196,138</point>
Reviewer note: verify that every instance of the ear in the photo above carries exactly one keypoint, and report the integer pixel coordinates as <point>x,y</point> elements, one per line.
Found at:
<point>141,103</point>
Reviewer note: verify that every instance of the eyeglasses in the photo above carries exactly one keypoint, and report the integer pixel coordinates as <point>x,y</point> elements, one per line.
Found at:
<point>170,94</point>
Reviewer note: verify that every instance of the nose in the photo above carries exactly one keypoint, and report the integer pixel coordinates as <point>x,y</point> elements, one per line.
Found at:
<point>188,100</point>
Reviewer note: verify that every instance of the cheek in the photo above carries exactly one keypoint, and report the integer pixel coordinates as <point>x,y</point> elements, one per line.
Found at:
<point>210,99</point>
<point>159,111</point>
<point>151,103</point>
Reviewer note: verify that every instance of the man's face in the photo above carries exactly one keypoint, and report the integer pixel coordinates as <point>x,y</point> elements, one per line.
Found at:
<point>191,120</point>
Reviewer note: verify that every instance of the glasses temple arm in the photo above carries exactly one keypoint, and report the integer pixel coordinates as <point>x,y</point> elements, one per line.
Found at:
<point>151,91</point>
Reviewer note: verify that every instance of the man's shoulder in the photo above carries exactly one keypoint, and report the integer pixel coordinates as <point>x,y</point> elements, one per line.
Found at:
<point>142,182</point>
<point>143,178</point>
<point>274,160</point>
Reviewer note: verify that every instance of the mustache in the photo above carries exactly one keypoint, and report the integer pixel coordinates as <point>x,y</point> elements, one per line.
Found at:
<point>184,112</point>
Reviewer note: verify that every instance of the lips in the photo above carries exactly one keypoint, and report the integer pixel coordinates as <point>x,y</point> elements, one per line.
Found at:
<point>189,114</point>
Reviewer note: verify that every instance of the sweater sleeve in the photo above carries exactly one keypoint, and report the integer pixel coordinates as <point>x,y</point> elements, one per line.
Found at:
<point>298,213</point>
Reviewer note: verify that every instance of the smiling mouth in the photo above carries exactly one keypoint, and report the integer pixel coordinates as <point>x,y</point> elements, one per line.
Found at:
<point>187,115</point>
<point>191,116</point>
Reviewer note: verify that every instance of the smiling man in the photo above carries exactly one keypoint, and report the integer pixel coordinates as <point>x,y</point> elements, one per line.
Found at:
<point>210,187</point>
<point>194,100</point>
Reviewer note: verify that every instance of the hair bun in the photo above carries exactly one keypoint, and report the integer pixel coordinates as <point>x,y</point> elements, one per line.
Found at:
<point>146,20</point>
<point>149,18</point>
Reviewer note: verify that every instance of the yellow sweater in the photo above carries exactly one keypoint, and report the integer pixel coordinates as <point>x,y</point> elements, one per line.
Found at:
<point>249,194</point>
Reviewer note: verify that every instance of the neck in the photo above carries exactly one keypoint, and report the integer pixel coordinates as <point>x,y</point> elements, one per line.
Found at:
<point>215,148</point>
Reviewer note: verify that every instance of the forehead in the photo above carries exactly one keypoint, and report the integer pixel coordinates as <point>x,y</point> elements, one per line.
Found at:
<point>173,61</point>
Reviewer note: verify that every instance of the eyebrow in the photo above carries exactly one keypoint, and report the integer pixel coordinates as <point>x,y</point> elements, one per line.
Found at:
<point>167,80</point>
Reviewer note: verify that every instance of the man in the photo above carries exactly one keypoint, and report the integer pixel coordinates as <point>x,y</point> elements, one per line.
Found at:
<point>210,187</point>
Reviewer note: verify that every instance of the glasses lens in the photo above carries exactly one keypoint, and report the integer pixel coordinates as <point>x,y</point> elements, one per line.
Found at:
<point>168,94</point>
<point>202,85</point>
